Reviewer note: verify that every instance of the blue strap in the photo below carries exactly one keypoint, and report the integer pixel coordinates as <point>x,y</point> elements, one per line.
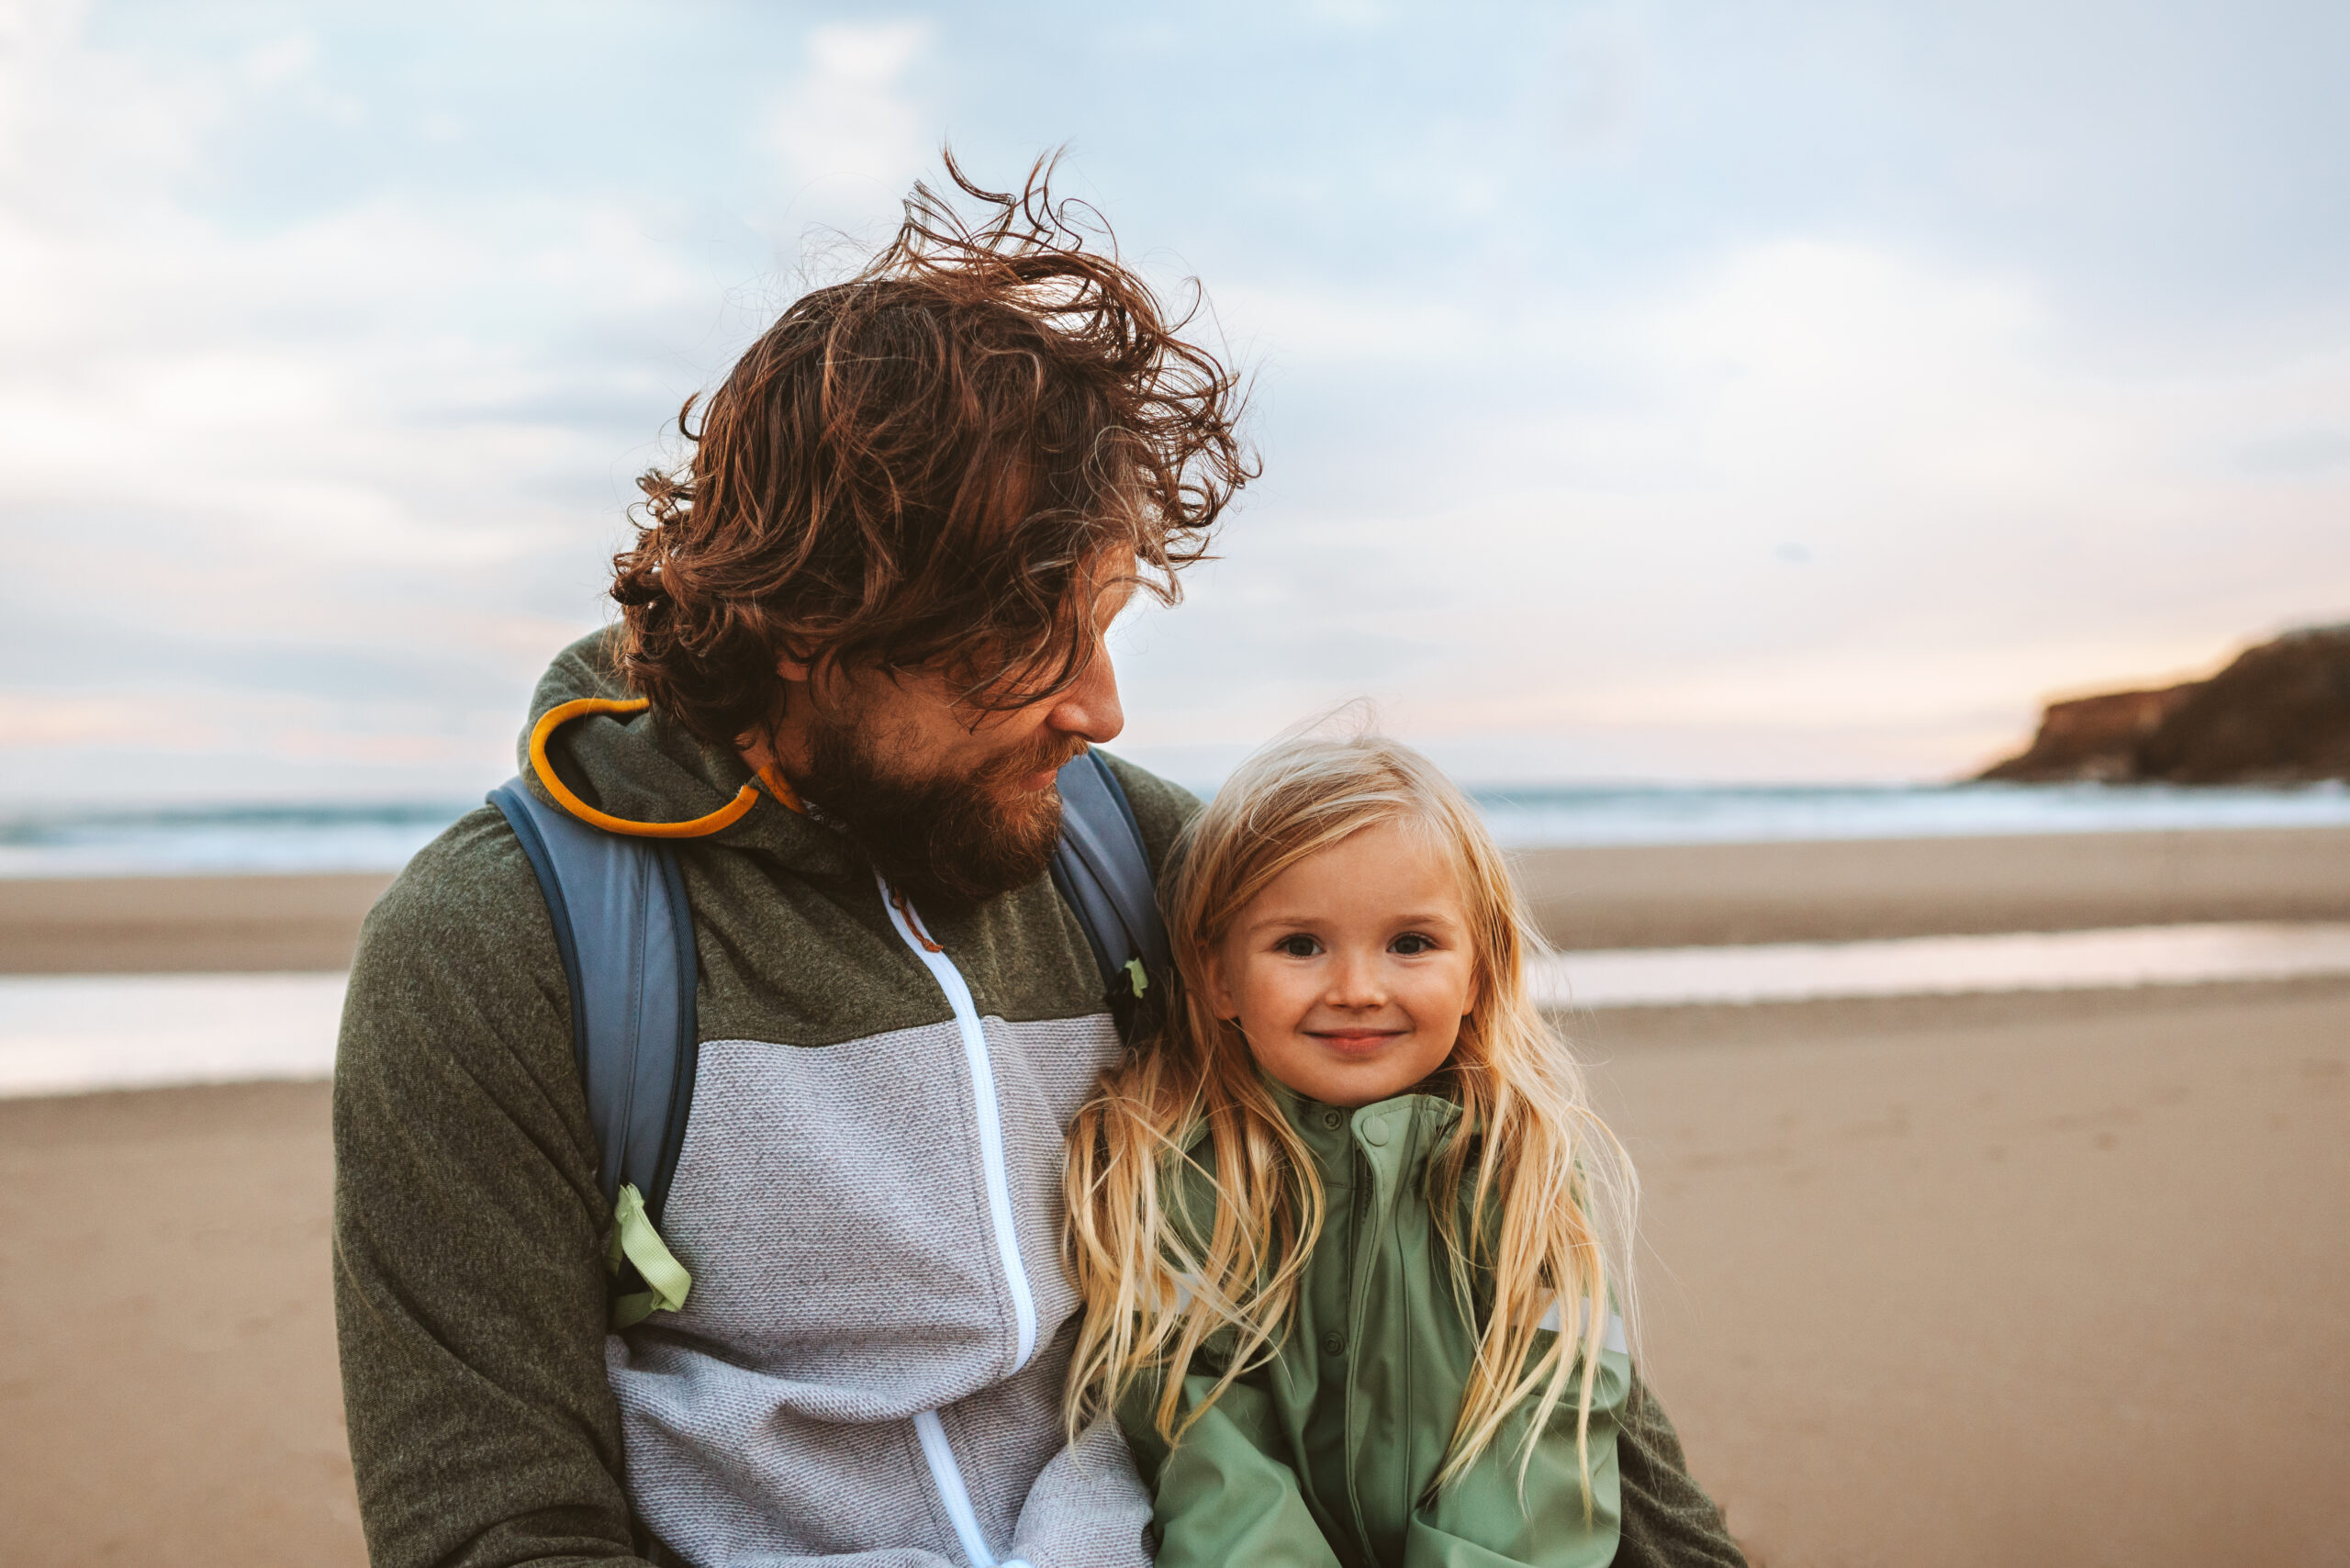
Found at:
<point>1103,873</point>
<point>621,921</point>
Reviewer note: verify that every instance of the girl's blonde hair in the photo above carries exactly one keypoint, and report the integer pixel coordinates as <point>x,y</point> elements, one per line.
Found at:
<point>1550,1196</point>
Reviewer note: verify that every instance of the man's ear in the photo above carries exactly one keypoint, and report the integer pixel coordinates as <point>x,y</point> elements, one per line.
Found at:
<point>793,664</point>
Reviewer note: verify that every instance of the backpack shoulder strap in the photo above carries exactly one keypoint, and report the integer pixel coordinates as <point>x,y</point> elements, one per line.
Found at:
<point>627,935</point>
<point>1103,873</point>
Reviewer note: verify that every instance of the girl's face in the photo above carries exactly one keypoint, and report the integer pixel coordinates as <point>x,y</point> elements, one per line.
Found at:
<point>1350,973</point>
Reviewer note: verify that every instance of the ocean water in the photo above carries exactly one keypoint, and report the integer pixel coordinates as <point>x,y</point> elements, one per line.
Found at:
<point>1668,813</point>
<point>224,839</point>
<point>339,837</point>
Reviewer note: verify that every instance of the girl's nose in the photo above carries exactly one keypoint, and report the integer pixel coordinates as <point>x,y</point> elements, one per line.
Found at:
<point>1355,982</point>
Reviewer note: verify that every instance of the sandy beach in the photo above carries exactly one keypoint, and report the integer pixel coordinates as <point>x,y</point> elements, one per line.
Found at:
<point>2045,1279</point>
<point>2033,1279</point>
<point>2019,1280</point>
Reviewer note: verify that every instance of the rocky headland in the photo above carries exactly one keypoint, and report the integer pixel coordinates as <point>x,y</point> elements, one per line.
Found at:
<point>2279,714</point>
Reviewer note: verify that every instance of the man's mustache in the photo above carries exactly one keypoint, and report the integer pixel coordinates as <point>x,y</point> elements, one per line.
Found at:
<point>1052,756</point>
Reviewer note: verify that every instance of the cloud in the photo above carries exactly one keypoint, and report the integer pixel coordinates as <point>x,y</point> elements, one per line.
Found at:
<point>379,430</point>
<point>847,115</point>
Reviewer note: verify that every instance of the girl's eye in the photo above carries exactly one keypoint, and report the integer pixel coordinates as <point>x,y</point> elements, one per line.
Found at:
<point>1298,947</point>
<point>1411,944</point>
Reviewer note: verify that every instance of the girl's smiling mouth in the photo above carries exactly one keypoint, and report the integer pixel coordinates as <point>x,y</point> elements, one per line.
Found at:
<point>1355,1042</point>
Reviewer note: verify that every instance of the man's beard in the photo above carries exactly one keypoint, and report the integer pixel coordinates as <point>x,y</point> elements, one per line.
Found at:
<point>953,840</point>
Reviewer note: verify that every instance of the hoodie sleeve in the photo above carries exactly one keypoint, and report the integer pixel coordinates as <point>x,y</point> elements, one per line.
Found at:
<point>1087,1510</point>
<point>1669,1522</point>
<point>468,1231</point>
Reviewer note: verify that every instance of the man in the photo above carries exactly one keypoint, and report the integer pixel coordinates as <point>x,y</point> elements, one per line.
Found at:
<point>868,619</point>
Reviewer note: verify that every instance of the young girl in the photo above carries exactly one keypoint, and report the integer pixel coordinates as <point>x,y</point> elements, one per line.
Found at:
<point>1350,1239</point>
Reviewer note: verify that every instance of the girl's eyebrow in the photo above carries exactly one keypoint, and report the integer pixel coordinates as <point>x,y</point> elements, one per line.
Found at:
<point>1421,917</point>
<point>1263,921</point>
<point>1426,917</point>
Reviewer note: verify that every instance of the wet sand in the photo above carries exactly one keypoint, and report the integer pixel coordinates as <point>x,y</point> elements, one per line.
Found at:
<point>1694,895</point>
<point>1644,896</point>
<point>159,924</point>
<point>2027,1279</point>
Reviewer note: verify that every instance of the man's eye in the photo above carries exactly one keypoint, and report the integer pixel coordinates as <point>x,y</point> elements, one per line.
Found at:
<point>1412,942</point>
<point>1298,947</point>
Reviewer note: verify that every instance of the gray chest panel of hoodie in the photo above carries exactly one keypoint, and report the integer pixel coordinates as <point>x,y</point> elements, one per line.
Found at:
<point>872,1258</point>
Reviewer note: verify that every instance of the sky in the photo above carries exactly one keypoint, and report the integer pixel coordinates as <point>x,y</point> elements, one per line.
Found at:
<point>1646,389</point>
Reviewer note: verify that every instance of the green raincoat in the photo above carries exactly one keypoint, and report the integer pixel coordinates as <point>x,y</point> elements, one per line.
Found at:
<point>1324,1456</point>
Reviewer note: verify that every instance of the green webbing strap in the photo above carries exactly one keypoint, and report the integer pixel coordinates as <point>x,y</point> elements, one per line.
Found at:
<point>634,1239</point>
<point>1137,976</point>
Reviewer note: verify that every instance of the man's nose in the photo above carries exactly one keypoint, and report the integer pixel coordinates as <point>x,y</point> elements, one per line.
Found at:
<point>1091,709</point>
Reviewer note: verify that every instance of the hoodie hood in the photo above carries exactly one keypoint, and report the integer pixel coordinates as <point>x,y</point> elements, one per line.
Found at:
<point>641,768</point>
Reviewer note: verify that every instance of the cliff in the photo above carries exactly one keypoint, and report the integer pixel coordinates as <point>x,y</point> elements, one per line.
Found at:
<point>2279,714</point>
<point>2093,739</point>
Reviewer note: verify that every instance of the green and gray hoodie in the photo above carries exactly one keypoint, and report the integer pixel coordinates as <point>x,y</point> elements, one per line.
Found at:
<point>870,1360</point>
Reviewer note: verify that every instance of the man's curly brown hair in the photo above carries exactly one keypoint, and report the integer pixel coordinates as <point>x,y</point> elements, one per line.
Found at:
<point>928,466</point>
